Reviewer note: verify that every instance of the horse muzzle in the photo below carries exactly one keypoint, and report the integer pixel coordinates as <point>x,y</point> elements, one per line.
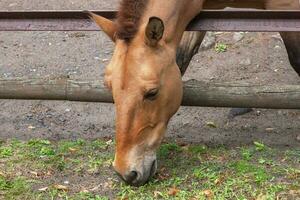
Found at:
<point>139,176</point>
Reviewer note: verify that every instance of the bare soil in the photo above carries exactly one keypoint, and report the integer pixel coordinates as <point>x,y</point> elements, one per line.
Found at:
<point>85,54</point>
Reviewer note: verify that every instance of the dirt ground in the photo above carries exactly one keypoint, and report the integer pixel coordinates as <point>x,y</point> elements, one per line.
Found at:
<point>257,58</point>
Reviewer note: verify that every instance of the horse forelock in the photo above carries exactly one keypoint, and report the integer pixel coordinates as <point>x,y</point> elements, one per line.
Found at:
<point>128,18</point>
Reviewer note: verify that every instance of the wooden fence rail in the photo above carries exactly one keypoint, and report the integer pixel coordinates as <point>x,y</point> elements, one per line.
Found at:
<point>207,20</point>
<point>195,93</point>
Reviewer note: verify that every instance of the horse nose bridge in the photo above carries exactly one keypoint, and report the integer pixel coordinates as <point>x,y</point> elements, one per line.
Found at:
<point>124,114</point>
<point>129,117</point>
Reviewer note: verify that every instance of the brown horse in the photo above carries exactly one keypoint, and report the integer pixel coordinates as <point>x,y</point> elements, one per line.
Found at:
<point>144,78</point>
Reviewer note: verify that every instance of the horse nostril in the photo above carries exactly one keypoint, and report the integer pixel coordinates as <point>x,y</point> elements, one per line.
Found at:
<point>131,177</point>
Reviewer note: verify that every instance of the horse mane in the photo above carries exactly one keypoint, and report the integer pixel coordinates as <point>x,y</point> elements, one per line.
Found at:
<point>128,18</point>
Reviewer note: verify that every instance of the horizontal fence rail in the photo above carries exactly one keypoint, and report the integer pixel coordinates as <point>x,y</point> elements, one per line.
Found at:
<point>196,93</point>
<point>207,20</point>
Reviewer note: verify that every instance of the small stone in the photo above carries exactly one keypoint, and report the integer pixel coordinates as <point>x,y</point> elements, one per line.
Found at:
<point>277,47</point>
<point>109,142</point>
<point>238,36</point>
<point>246,62</point>
<point>6,75</point>
<point>61,119</point>
<point>298,138</point>
<point>68,110</point>
<point>270,130</point>
<point>31,127</point>
<point>105,60</point>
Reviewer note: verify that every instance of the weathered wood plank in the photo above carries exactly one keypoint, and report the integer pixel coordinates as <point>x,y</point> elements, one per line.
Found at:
<point>195,93</point>
<point>207,20</point>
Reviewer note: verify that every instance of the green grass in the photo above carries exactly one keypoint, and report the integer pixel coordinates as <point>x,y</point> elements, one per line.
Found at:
<point>221,47</point>
<point>42,169</point>
<point>6,152</point>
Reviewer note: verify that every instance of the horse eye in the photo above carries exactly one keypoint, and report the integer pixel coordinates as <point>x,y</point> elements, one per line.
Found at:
<point>151,94</point>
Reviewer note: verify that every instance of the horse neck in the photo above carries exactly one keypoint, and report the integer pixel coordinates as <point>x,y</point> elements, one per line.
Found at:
<point>175,14</point>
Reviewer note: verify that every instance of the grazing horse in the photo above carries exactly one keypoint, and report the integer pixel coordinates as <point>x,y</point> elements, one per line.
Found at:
<point>145,79</point>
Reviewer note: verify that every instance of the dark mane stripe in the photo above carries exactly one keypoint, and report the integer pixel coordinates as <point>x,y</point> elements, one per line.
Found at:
<point>128,19</point>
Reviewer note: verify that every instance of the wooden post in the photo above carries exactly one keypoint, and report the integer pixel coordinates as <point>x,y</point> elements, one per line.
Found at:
<point>55,89</point>
<point>195,93</point>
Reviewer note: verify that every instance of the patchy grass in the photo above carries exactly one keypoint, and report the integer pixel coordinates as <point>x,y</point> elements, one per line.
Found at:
<point>221,47</point>
<point>41,169</point>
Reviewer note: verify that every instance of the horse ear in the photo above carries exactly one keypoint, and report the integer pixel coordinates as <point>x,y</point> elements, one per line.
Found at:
<point>109,27</point>
<point>154,31</point>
